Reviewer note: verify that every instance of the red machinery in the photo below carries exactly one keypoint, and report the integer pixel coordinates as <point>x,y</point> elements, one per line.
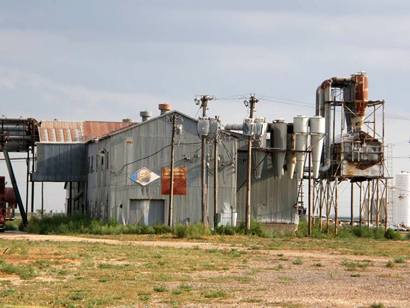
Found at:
<point>7,203</point>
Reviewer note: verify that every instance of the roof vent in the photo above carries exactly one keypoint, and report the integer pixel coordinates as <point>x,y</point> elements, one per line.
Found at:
<point>145,115</point>
<point>164,108</point>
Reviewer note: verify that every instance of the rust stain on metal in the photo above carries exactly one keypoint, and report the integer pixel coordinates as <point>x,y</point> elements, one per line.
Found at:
<point>180,181</point>
<point>71,132</point>
<point>361,93</point>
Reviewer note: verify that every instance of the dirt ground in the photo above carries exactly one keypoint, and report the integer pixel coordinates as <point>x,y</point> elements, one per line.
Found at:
<point>283,277</point>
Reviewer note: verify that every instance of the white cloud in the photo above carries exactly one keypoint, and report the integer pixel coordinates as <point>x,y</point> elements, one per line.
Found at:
<point>73,101</point>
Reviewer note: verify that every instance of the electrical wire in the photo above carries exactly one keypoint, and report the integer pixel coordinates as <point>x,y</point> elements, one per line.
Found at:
<point>151,155</point>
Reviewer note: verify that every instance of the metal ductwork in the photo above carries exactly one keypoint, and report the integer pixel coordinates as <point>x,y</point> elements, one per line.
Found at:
<point>145,115</point>
<point>317,133</point>
<point>300,128</point>
<point>278,141</point>
<point>291,154</point>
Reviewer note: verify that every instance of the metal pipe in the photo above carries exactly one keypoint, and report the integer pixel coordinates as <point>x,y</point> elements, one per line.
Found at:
<point>17,137</point>
<point>238,127</point>
<point>9,127</point>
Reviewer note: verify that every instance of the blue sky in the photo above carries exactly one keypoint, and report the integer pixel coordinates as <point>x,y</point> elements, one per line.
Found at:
<point>108,60</point>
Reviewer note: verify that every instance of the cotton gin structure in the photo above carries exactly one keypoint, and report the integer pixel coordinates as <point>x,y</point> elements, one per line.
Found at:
<point>353,151</point>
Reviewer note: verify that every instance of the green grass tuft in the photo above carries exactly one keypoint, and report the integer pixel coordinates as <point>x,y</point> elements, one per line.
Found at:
<point>160,289</point>
<point>400,260</point>
<point>23,271</point>
<point>215,294</point>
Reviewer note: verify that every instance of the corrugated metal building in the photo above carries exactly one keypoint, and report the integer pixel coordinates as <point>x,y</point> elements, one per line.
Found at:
<point>111,194</point>
<point>98,171</point>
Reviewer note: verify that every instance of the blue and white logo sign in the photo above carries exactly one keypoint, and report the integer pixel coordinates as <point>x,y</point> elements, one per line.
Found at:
<point>144,176</point>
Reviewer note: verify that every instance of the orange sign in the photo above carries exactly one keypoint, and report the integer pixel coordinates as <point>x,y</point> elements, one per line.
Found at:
<point>180,179</point>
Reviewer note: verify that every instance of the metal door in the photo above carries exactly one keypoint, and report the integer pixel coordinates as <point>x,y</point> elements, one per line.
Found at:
<point>146,212</point>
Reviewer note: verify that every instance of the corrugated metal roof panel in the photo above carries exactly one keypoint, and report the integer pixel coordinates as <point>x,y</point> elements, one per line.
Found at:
<point>74,132</point>
<point>96,129</point>
<point>61,131</point>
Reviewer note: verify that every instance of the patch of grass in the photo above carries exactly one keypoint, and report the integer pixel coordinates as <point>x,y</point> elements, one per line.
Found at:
<point>355,275</point>
<point>318,264</point>
<point>160,289</point>
<point>176,292</point>
<point>144,297</point>
<point>225,230</point>
<point>285,279</point>
<point>77,295</point>
<point>354,266</point>
<point>185,287</point>
<point>235,253</point>
<point>12,225</point>
<point>24,271</point>
<point>297,261</point>
<point>392,234</point>
<point>377,305</point>
<point>195,231</point>
<point>214,294</point>
<point>78,224</point>
<point>7,292</point>
<point>400,260</point>
<point>390,264</point>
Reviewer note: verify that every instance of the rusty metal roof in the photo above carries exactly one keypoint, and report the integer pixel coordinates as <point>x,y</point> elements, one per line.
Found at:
<point>74,132</point>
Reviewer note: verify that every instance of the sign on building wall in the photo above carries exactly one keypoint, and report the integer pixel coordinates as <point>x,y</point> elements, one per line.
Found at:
<point>180,179</point>
<point>144,176</point>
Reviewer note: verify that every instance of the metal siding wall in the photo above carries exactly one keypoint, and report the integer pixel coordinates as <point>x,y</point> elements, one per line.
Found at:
<point>60,163</point>
<point>273,199</point>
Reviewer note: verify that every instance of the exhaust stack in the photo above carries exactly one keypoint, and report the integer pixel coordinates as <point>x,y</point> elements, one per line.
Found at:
<point>145,115</point>
<point>300,127</point>
<point>164,108</point>
<point>317,133</point>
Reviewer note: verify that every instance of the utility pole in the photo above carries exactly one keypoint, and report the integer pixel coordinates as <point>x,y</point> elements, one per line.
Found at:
<point>27,177</point>
<point>203,102</point>
<point>216,178</point>
<point>171,170</point>
<point>252,102</point>
<point>309,195</point>
<point>32,180</point>
<point>351,203</point>
<point>42,199</point>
